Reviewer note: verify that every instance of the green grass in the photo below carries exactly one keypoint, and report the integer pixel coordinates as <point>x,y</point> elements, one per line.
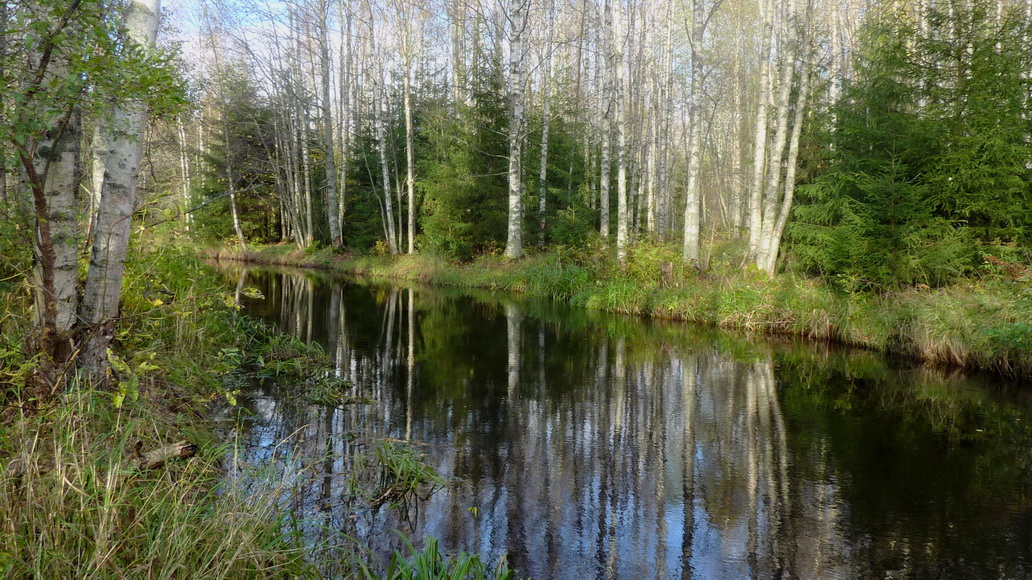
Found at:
<point>403,475</point>
<point>76,504</point>
<point>979,324</point>
<point>430,564</point>
<point>74,501</point>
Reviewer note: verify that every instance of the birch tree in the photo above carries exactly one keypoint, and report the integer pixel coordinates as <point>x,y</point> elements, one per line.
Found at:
<point>606,104</point>
<point>779,191</point>
<point>621,77</point>
<point>329,152</point>
<point>43,129</point>
<point>515,14</point>
<point>692,204</point>
<point>546,118</point>
<point>760,135</point>
<point>110,244</point>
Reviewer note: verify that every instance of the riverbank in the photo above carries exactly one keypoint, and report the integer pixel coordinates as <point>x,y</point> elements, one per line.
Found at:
<point>128,481</point>
<point>138,479</point>
<point>981,324</point>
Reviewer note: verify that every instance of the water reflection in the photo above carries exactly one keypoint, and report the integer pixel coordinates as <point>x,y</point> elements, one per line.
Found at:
<point>589,446</point>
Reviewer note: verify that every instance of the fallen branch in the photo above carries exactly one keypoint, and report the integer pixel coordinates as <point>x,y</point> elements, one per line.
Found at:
<point>156,458</point>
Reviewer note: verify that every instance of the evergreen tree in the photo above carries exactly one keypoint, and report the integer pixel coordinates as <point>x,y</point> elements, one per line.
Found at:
<point>250,141</point>
<point>928,163</point>
<point>463,176</point>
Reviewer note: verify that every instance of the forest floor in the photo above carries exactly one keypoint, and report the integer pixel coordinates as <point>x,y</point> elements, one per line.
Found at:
<point>983,324</point>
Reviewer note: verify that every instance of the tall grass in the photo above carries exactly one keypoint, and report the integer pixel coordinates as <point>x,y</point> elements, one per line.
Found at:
<point>74,501</point>
<point>75,504</point>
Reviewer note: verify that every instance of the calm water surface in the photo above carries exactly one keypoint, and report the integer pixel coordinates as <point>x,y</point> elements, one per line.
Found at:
<point>585,445</point>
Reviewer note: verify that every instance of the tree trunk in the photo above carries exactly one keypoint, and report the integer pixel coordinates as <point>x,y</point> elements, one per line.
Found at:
<point>186,187</point>
<point>410,156</point>
<point>231,188</point>
<point>784,208</point>
<point>775,166</point>
<point>546,114</point>
<point>124,137</point>
<point>51,167</point>
<point>692,206</point>
<point>327,126</point>
<point>381,146</point>
<point>620,62</point>
<point>516,13</point>
<point>760,148</point>
<point>605,168</point>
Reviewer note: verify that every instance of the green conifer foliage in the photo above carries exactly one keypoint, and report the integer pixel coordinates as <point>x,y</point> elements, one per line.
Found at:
<point>463,175</point>
<point>928,162</point>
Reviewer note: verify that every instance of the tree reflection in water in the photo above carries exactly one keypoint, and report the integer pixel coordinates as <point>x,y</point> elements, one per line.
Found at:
<point>586,446</point>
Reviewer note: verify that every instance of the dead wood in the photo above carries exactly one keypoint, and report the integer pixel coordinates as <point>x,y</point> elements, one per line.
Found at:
<point>156,458</point>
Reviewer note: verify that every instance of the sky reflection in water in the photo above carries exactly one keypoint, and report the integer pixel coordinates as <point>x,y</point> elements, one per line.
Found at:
<point>595,446</point>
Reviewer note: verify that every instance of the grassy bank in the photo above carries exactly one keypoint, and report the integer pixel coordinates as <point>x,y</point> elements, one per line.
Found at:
<point>77,496</point>
<point>76,499</point>
<point>981,324</point>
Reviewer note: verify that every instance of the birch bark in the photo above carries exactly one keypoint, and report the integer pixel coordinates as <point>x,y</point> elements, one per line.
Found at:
<point>516,15</point>
<point>546,113</point>
<point>118,196</point>
<point>329,151</point>
<point>692,206</point>
<point>620,62</point>
<point>760,146</point>
<point>607,129</point>
<point>410,156</point>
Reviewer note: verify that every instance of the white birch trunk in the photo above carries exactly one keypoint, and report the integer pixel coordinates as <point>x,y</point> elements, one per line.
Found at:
<point>231,188</point>
<point>760,147</point>
<point>516,13</point>
<point>783,207</point>
<point>775,166</point>
<point>605,169</point>
<point>692,207</point>
<point>410,156</point>
<point>620,62</point>
<point>99,149</point>
<point>345,105</point>
<point>184,167</point>
<point>329,151</point>
<point>381,147</point>
<point>118,197</point>
<point>666,107</point>
<point>774,243</point>
<point>52,170</point>
<point>306,173</point>
<point>546,113</point>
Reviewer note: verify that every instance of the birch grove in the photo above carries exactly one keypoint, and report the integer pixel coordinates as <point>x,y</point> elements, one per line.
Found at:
<point>630,115</point>
<point>452,128</point>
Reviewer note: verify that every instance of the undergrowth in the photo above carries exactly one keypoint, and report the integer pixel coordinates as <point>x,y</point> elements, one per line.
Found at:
<point>75,498</point>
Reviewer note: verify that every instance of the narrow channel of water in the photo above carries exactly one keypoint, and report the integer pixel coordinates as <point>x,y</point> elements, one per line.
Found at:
<point>584,445</point>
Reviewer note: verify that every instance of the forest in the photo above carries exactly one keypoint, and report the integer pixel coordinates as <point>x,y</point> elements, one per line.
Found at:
<point>858,171</point>
<point>877,145</point>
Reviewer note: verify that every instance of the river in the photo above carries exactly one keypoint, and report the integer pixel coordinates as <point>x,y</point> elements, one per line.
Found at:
<point>585,445</point>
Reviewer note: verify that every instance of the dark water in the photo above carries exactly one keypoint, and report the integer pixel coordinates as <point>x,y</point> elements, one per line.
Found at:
<point>593,446</point>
